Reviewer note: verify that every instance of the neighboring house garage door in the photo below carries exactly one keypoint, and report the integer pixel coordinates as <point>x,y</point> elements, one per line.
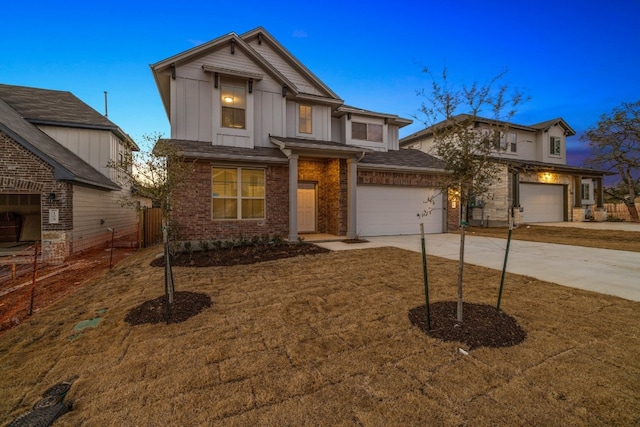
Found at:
<point>542,202</point>
<point>384,210</point>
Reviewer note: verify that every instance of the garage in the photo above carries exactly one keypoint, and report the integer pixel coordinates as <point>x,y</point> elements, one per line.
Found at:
<point>542,202</point>
<point>384,210</point>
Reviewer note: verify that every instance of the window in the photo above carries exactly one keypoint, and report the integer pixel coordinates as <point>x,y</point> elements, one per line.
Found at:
<point>584,192</point>
<point>304,120</point>
<point>234,103</point>
<point>237,193</point>
<point>554,145</point>
<point>505,141</point>
<point>366,131</point>
<point>512,142</point>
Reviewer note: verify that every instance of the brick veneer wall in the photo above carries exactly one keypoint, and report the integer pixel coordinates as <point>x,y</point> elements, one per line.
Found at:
<point>331,178</point>
<point>192,208</point>
<point>21,172</point>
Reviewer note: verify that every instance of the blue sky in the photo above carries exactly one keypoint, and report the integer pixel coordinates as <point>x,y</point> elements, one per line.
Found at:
<point>575,59</point>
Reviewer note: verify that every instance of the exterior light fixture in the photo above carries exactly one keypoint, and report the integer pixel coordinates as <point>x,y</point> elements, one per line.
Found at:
<point>228,99</point>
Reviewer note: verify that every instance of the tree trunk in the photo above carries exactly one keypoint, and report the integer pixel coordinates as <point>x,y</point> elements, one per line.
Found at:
<point>460,273</point>
<point>463,226</point>
<point>633,211</point>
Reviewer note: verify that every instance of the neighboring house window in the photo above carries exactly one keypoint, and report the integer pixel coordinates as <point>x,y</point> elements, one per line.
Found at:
<point>585,192</point>
<point>304,121</point>
<point>505,141</point>
<point>512,142</point>
<point>366,131</point>
<point>237,193</point>
<point>554,145</point>
<point>233,98</point>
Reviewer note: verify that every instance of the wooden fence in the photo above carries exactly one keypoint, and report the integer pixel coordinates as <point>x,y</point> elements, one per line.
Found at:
<point>618,210</point>
<point>150,227</point>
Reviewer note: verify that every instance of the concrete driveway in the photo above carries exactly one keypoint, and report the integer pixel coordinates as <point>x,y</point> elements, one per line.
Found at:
<point>600,270</point>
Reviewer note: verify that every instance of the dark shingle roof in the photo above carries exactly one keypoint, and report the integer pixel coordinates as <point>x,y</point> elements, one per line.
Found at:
<point>405,159</point>
<point>67,166</point>
<point>55,107</point>
<point>205,150</point>
<point>52,106</point>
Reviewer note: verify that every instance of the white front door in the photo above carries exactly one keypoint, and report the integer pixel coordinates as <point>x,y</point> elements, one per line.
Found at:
<point>306,208</point>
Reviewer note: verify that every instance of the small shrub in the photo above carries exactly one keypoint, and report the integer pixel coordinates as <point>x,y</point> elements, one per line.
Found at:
<point>613,218</point>
<point>204,245</point>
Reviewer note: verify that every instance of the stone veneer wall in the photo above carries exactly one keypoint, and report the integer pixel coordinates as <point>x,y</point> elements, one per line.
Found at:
<point>21,172</point>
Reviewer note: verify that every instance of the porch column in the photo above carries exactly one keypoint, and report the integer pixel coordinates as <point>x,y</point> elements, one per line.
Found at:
<point>577,192</point>
<point>599,193</point>
<point>293,197</point>
<point>352,180</point>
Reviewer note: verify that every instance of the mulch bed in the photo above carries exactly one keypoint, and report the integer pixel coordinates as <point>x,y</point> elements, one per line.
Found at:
<point>483,325</point>
<point>250,254</point>
<point>185,305</point>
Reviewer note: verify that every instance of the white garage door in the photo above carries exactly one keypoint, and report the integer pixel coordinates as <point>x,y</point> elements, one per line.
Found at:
<point>542,202</point>
<point>386,210</point>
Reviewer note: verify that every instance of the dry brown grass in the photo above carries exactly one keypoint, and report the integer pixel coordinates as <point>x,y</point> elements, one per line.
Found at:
<point>326,340</point>
<point>604,239</point>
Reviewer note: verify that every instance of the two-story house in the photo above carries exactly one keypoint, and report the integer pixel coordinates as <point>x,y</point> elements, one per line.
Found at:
<point>535,182</point>
<point>278,152</point>
<point>55,183</point>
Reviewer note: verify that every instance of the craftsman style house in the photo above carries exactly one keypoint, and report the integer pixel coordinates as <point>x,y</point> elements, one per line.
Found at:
<point>278,152</point>
<point>55,185</point>
<point>535,179</point>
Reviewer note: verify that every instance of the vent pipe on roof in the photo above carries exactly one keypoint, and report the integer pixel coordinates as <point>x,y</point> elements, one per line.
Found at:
<point>106,107</point>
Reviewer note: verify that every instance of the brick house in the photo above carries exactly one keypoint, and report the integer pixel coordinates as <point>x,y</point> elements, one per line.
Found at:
<point>278,152</point>
<point>55,185</point>
<point>534,176</point>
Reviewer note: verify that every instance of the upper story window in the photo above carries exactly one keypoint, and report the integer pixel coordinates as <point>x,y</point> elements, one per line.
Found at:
<point>506,141</point>
<point>554,145</point>
<point>233,98</point>
<point>304,119</point>
<point>366,131</point>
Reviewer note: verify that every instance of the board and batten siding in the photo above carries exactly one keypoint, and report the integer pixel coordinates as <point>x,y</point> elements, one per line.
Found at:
<point>92,146</point>
<point>91,206</point>
<point>320,121</point>
<point>286,69</point>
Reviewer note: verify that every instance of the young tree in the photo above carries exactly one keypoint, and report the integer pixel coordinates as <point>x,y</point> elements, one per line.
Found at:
<point>156,173</point>
<point>615,145</point>
<point>452,113</point>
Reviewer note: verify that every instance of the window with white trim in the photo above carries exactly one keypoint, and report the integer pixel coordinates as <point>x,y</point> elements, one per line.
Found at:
<point>366,131</point>
<point>237,193</point>
<point>585,191</point>
<point>233,98</point>
<point>504,141</point>
<point>554,145</point>
<point>304,118</point>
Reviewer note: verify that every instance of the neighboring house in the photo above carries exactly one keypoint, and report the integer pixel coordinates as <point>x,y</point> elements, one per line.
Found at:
<point>278,152</point>
<point>55,185</point>
<point>535,178</point>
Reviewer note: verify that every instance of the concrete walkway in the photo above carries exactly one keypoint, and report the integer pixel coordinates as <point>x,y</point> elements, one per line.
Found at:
<point>600,270</point>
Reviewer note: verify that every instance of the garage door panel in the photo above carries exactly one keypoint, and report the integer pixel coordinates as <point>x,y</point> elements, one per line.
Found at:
<point>388,210</point>
<point>542,202</point>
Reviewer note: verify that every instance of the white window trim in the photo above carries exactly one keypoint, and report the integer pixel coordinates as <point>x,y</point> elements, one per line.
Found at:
<point>367,124</point>
<point>554,154</point>
<point>298,130</point>
<point>239,197</point>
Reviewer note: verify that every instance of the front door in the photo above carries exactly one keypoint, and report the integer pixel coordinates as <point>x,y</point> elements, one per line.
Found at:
<point>306,207</point>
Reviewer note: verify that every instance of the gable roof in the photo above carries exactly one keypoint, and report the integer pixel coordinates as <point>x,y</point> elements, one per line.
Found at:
<point>58,108</point>
<point>67,166</point>
<point>263,35</point>
<point>425,133</point>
